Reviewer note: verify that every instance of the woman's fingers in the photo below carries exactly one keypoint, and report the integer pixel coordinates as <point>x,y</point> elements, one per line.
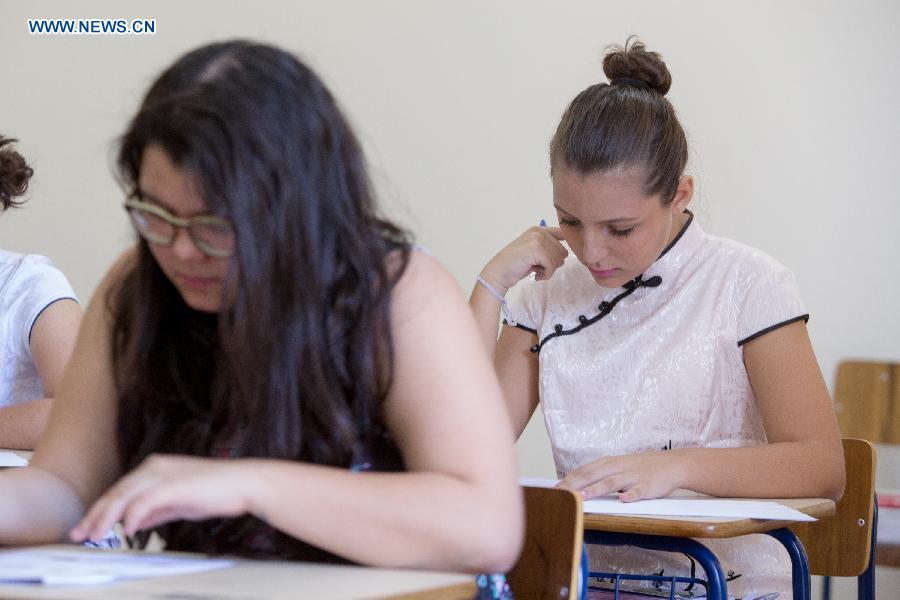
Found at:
<point>159,516</point>
<point>109,508</point>
<point>607,485</point>
<point>636,492</point>
<point>588,474</point>
<point>163,489</point>
<point>552,253</point>
<point>538,250</point>
<point>635,477</point>
<point>105,512</point>
<point>144,508</point>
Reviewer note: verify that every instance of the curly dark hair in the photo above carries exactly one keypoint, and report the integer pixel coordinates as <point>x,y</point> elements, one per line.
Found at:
<point>298,362</point>
<point>14,175</point>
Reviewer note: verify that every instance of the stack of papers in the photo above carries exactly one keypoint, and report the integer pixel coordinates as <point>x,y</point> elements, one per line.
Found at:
<point>83,566</point>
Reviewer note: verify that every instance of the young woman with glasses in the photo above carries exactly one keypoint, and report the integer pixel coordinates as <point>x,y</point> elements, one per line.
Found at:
<point>39,319</point>
<point>273,370</point>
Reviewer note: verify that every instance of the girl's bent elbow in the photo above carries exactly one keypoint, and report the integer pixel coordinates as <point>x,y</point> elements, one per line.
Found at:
<point>502,554</point>
<point>500,543</point>
<point>840,476</point>
<point>838,483</point>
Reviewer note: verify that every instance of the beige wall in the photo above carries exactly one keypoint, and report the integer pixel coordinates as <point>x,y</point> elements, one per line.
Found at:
<point>790,109</point>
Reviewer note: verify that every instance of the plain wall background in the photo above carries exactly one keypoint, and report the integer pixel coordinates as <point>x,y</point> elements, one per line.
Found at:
<point>790,109</point>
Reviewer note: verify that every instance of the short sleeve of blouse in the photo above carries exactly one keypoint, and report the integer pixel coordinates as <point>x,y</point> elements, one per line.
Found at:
<point>521,304</point>
<point>767,298</point>
<point>36,285</point>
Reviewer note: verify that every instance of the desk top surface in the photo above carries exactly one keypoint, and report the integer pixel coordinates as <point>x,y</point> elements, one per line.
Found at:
<point>270,580</point>
<point>706,527</point>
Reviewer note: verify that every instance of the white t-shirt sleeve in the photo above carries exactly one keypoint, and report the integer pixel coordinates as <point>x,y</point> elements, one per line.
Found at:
<point>35,286</point>
<point>768,298</point>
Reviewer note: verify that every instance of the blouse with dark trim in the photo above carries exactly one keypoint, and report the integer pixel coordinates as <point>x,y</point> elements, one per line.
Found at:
<point>662,367</point>
<point>605,307</point>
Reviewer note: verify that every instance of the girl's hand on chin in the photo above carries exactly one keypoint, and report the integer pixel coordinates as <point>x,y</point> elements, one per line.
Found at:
<point>538,250</point>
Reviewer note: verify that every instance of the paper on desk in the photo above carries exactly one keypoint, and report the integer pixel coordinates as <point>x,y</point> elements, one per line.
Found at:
<point>696,507</point>
<point>84,566</point>
<point>692,506</point>
<point>10,459</point>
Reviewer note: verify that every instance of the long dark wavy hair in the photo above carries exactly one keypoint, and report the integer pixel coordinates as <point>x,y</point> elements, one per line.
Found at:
<point>297,363</point>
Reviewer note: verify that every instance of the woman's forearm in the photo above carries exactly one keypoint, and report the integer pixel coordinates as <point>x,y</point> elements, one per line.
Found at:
<point>420,520</point>
<point>802,469</point>
<point>486,309</point>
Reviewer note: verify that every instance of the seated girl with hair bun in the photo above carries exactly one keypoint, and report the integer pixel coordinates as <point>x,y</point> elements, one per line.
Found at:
<point>262,374</point>
<point>662,357</point>
<point>39,319</point>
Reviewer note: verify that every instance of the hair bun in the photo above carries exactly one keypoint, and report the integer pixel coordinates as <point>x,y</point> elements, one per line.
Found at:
<point>634,62</point>
<point>14,174</point>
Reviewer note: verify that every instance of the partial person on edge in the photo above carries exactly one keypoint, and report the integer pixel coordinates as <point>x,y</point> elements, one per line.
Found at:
<point>39,318</point>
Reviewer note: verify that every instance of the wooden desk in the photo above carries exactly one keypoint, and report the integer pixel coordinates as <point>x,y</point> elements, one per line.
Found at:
<point>678,533</point>
<point>270,580</point>
<point>705,527</point>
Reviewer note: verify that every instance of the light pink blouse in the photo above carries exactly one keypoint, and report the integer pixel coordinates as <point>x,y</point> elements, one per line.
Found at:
<point>660,365</point>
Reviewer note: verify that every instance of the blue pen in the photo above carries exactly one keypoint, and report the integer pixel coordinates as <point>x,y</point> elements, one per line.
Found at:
<point>539,271</point>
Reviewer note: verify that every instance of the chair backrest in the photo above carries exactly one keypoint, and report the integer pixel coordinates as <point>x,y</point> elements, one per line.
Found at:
<point>867,400</point>
<point>548,568</point>
<point>839,546</point>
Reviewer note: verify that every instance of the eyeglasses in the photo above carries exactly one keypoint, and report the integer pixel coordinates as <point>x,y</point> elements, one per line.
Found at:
<point>214,236</point>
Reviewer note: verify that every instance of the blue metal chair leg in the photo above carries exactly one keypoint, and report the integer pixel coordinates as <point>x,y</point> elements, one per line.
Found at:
<point>716,589</point>
<point>865,583</point>
<point>826,588</point>
<point>582,593</point>
<point>799,562</point>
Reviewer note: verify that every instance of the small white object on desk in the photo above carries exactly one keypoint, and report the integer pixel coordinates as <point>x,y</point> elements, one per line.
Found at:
<point>10,459</point>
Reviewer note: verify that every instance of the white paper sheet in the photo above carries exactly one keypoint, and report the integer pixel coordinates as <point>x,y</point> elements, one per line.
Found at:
<point>696,507</point>
<point>684,506</point>
<point>84,566</point>
<point>8,459</point>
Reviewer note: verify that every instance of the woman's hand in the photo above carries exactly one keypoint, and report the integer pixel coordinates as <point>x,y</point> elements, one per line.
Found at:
<point>167,488</point>
<point>538,251</point>
<point>636,477</point>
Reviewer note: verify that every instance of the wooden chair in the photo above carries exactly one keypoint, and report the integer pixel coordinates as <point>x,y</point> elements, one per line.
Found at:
<point>867,401</point>
<point>549,566</point>
<point>842,545</point>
